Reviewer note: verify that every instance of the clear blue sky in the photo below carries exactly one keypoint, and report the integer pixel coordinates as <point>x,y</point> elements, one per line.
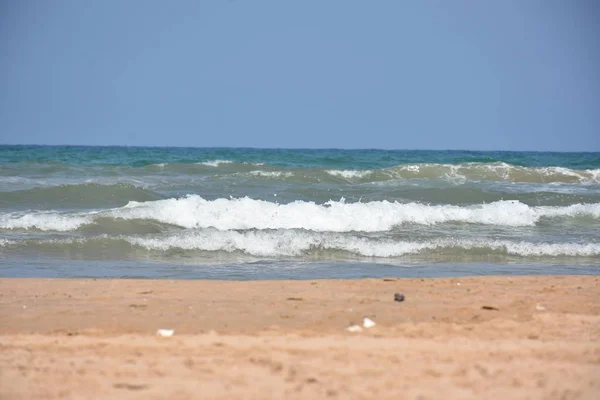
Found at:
<point>447,74</point>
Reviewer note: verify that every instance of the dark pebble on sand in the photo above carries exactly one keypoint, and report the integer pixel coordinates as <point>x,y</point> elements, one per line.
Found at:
<point>399,297</point>
<point>489,308</point>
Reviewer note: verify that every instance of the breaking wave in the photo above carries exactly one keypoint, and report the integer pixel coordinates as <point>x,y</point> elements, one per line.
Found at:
<point>300,243</point>
<point>297,243</point>
<point>338,216</point>
<point>194,211</point>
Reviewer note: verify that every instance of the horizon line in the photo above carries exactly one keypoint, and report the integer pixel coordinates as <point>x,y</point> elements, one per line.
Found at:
<point>293,148</point>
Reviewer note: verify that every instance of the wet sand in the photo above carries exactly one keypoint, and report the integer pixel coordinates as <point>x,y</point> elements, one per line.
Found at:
<point>533,337</point>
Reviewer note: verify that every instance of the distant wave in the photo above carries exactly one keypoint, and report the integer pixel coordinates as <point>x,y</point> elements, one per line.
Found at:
<point>334,216</point>
<point>459,173</point>
<point>456,173</point>
<point>497,171</point>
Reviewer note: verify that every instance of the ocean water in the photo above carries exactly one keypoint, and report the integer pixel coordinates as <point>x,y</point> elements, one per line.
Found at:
<point>225,213</point>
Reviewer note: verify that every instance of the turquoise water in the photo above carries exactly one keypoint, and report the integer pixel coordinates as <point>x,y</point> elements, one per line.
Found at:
<point>300,214</point>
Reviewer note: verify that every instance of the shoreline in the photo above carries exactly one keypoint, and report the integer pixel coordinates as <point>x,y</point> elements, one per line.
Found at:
<point>470,337</point>
<point>270,271</point>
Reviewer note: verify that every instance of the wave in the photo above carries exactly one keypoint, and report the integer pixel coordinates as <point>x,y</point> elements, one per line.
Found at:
<point>457,173</point>
<point>44,221</point>
<point>299,243</point>
<point>497,171</point>
<point>338,216</point>
<point>194,211</point>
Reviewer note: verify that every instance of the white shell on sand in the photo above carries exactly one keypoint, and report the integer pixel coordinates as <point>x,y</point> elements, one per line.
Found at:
<point>354,328</point>
<point>165,332</point>
<point>368,323</point>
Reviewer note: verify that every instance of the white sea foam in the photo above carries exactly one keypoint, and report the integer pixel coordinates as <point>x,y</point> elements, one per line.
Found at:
<point>523,248</point>
<point>215,163</point>
<point>337,216</point>
<point>45,221</point>
<point>411,168</point>
<point>276,243</point>
<point>349,173</point>
<point>272,174</point>
<point>299,242</point>
<point>575,210</point>
<point>549,249</point>
<point>594,173</point>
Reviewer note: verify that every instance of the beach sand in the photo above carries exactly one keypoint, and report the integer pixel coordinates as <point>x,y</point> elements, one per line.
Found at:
<point>533,337</point>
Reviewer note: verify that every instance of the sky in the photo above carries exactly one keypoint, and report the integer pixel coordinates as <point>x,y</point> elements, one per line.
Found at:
<point>410,74</point>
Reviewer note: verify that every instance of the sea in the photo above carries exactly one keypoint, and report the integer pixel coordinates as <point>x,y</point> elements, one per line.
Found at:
<point>245,213</point>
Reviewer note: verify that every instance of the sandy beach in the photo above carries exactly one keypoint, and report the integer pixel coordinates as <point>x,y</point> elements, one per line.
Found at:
<point>532,337</point>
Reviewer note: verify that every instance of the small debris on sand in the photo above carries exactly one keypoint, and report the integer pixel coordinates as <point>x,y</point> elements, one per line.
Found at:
<point>165,332</point>
<point>398,297</point>
<point>489,308</point>
<point>354,328</point>
<point>129,386</point>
